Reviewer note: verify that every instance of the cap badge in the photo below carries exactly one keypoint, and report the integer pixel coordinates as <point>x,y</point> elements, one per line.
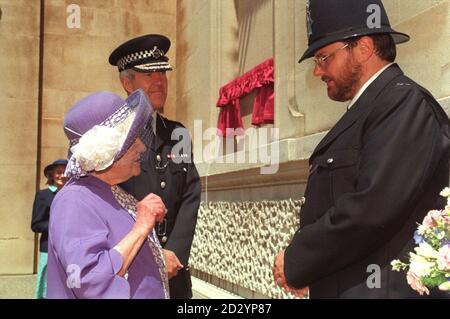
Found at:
<point>156,53</point>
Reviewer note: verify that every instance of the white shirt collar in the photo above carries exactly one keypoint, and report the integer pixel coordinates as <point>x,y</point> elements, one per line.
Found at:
<point>154,121</point>
<point>364,87</point>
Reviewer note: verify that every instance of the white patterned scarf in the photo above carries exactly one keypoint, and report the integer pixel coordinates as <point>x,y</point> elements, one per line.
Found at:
<point>128,202</point>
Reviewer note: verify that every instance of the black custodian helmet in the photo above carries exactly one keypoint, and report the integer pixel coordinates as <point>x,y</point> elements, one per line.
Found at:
<point>329,21</point>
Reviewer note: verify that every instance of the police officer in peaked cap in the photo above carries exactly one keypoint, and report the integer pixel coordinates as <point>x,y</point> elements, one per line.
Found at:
<point>142,63</point>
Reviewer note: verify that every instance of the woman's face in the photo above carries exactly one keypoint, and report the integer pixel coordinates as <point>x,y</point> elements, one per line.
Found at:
<point>57,175</point>
<point>129,165</point>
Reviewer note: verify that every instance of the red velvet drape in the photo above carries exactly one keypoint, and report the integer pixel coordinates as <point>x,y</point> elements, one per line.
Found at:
<point>260,79</point>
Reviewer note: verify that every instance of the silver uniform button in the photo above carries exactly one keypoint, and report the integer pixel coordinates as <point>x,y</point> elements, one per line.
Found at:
<point>164,239</point>
<point>163,184</point>
<point>330,161</point>
<point>158,158</point>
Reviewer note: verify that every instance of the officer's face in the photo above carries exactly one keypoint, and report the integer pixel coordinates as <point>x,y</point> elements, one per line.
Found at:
<point>154,84</point>
<point>340,71</point>
<point>129,165</point>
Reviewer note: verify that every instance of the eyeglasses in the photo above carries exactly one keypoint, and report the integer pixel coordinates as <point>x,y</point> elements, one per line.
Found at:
<point>320,61</point>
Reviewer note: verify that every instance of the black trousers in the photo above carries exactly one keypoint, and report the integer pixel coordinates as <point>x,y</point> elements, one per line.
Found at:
<point>181,285</point>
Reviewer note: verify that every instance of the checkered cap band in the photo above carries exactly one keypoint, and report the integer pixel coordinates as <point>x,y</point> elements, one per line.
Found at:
<point>154,53</point>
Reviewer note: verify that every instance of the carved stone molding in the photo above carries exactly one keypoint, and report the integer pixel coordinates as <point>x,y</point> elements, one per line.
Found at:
<point>237,241</point>
<point>295,172</point>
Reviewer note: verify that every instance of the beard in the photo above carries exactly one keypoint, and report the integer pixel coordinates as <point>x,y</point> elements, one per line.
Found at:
<point>343,87</point>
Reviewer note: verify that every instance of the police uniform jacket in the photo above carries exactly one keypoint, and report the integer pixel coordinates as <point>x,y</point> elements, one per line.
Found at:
<point>372,178</point>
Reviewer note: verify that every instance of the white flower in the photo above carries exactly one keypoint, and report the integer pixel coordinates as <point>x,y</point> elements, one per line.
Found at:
<point>440,235</point>
<point>419,265</point>
<point>397,265</point>
<point>425,250</point>
<point>422,230</point>
<point>444,258</point>
<point>446,212</point>
<point>98,147</point>
<point>445,192</point>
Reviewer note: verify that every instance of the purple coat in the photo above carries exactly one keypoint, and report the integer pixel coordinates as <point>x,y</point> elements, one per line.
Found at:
<point>86,222</point>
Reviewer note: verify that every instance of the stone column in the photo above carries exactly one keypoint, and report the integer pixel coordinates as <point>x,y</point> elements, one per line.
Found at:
<point>19,62</point>
<point>289,116</point>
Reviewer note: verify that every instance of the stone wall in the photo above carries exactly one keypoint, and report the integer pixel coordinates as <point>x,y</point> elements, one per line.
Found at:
<point>207,36</point>
<point>74,64</point>
<point>76,59</point>
<point>303,114</point>
<point>19,62</point>
<point>237,242</point>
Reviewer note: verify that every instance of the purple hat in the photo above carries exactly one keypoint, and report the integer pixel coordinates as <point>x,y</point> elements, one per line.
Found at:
<point>101,128</point>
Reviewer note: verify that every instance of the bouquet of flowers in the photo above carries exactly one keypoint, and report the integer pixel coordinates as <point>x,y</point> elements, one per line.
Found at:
<point>429,265</point>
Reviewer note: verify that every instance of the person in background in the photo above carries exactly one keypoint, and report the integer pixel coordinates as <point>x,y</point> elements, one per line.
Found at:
<point>40,218</point>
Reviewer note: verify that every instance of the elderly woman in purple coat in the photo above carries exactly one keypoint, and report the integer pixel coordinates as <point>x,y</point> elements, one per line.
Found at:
<point>102,242</point>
